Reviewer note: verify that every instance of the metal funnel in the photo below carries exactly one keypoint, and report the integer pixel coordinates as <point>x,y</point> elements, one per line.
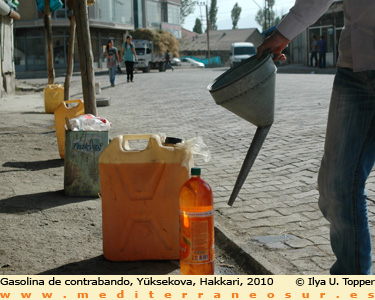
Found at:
<point>248,90</point>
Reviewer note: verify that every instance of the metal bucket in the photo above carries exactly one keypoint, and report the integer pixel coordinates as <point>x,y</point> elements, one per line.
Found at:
<point>248,90</point>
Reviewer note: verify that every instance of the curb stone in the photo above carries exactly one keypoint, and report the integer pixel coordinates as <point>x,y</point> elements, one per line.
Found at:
<point>242,253</point>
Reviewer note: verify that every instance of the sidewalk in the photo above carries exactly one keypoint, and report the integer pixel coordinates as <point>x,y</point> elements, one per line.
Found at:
<point>274,226</point>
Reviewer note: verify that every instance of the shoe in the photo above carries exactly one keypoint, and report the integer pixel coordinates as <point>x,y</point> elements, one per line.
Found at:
<point>128,80</point>
<point>112,85</point>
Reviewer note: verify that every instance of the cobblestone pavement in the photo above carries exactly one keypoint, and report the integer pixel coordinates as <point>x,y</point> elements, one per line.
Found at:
<point>275,219</point>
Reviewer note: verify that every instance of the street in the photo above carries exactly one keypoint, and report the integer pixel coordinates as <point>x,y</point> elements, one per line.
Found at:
<point>275,219</point>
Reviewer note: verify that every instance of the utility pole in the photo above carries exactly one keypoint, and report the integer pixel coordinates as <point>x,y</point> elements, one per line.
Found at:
<point>208,37</point>
<point>267,15</point>
<point>207,30</point>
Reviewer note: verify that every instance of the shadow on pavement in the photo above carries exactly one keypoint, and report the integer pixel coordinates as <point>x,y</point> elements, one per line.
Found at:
<point>99,265</point>
<point>40,201</point>
<point>34,165</point>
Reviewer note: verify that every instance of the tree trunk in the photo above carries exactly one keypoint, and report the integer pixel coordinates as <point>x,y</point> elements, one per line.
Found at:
<point>85,56</point>
<point>69,71</point>
<point>48,29</point>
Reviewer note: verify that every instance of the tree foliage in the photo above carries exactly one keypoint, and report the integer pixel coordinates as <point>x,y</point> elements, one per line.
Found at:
<point>198,26</point>
<point>267,17</point>
<point>212,15</point>
<point>236,12</point>
<point>187,7</point>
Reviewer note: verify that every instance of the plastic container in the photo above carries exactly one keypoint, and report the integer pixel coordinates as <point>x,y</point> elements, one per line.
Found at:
<point>62,112</point>
<point>53,96</point>
<point>81,165</point>
<point>197,247</point>
<point>140,190</point>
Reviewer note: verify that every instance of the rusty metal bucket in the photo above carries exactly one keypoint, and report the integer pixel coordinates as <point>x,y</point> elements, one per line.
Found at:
<point>248,90</point>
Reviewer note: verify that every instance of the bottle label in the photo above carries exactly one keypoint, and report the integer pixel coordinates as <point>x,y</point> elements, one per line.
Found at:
<point>197,237</point>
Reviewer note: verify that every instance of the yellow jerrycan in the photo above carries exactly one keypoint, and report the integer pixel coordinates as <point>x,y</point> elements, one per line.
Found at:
<point>140,190</point>
<point>62,112</point>
<point>53,96</point>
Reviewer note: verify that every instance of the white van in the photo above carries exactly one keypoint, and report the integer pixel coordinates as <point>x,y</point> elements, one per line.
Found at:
<point>240,52</point>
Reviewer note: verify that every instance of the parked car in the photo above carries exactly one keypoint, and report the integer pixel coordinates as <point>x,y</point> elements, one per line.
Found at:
<point>175,61</point>
<point>191,62</point>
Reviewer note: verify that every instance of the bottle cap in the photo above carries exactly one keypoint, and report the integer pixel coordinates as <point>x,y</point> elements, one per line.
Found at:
<point>195,171</point>
<point>172,140</point>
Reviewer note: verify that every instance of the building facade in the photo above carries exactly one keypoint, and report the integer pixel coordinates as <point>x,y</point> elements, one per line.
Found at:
<point>109,19</point>
<point>329,26</point>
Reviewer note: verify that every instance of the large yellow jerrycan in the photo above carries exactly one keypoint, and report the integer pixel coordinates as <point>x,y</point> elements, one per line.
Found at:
<point>140,191</point>
<point>62,112</point>
<point>53,96</point>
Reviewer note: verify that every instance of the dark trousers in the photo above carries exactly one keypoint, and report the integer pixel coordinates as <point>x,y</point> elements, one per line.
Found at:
<point>314,55</point>
<point>322,59</point>
<point>129,69</point>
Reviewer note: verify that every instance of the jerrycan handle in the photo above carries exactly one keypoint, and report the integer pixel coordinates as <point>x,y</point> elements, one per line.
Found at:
<point>132,137</point>
<point>79,101</point>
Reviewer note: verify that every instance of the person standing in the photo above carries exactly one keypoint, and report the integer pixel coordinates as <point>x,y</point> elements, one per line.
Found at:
<point>129,55</point>
<point>314,52</point>
<point>322,52</point>
<point>168,61</point>
<point>349,150</point>
<point>112,61</point>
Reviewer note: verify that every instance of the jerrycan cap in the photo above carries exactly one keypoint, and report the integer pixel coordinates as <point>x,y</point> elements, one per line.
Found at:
<point>172,140</point>
<point>196,171</point>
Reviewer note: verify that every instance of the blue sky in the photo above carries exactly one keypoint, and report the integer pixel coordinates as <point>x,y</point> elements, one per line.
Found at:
<point>247,18</point>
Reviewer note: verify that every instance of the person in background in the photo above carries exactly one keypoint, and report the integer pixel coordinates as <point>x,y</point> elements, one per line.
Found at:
<point>314,52</point>
<point>168,61</point>
<point>112,61</point>
<point>349,150</point>
<point>129,55</point>
<point>322,52</point>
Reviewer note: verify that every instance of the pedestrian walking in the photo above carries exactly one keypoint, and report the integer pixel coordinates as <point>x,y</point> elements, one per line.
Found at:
<point>168,61</point>
<point>349,151</point>
<point>314,52</point>
<point>113,61</point>
<point>322,52</point>
<point>129,55</point>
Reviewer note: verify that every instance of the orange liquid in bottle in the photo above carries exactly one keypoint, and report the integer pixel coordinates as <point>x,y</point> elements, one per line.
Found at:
<point>197,249</point>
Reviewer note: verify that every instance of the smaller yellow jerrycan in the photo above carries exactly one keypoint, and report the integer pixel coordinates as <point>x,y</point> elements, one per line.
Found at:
<point>53,96</point>
<point>62,112</point>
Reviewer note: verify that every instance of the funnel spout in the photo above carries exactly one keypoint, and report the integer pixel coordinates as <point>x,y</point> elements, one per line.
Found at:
<point>252,153</point>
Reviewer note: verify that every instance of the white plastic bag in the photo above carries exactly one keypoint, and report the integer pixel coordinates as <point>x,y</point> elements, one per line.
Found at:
<point>89,122</point>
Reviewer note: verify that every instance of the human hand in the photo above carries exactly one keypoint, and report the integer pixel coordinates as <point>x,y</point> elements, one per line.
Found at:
<point>275,44</point>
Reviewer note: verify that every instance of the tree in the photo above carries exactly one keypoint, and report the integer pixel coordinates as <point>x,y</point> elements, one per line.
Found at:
<point>86,58</point>
<point>187,7</point>
<point>266,17</point>
<point>48,30</point>
<point>236,12</point>
<point>198,26</point>
<point>72,35</point>
<point>213,15</point>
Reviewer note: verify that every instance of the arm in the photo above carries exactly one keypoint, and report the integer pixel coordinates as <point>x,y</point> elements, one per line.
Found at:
<point>301,15</point>
<point>122,53</point>
<point>135,54</point>
<point>118,58</point>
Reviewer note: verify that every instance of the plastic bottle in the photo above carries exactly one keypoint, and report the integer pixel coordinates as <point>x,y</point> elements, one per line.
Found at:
<point>197,249</point>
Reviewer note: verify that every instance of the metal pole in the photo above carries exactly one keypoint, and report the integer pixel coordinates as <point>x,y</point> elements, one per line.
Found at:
<point>208,36</point>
